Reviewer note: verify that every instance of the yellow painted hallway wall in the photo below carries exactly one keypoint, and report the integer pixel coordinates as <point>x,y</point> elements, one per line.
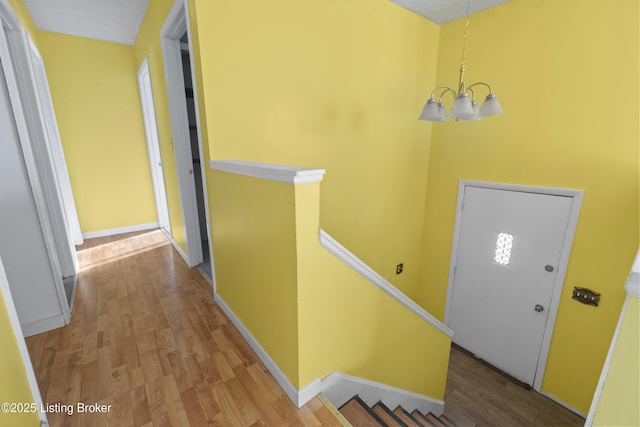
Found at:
<point>254,229</point>
<point>553,65</point>
<point>335,85</point>
<point>347,324</point>
<point>97,103</point>
<point>13,376</point>
<point>618,405</point>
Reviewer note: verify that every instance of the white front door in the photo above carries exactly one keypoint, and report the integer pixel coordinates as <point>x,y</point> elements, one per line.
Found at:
<point>509,247</point>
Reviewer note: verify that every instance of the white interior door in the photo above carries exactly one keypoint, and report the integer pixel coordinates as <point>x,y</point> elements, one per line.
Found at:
<point>509,247</point>
<point>153,145</point>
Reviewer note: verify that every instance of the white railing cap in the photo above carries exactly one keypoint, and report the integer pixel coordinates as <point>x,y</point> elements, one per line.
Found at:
<point>280,173</point>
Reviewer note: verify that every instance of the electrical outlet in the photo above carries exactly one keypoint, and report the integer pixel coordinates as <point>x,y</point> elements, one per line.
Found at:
<point>399,268</point>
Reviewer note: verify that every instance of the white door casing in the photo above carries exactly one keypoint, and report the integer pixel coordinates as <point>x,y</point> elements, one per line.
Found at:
<point>172,30</point>
<point>153,147</point>
<point>31,254</point>
<point>42,142</point>
<point>57,153</point>
<point>492,307</point>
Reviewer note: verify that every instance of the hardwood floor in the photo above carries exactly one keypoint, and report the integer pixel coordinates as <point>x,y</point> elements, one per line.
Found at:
<point>147,340</point>
<point>477,395</point>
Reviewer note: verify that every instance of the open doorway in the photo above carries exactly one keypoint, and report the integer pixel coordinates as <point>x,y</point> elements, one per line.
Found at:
<point>205,266</point>
<point>182,97</point>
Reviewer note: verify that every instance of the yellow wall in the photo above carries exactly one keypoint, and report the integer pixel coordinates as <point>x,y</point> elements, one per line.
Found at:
<point>255,252</point>
<point>95,95</point>
<point>335,85</point>
<point>348,325</point>
<point>13,376</point>
<point>311,312</point>
<point>554,66</point>
<point>618,405</point>
<point>148,45</point>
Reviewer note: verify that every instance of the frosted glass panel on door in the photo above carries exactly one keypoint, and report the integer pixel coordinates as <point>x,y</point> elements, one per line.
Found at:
<point>504,243</point>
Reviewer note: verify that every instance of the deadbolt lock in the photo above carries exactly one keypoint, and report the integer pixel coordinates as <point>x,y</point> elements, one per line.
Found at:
<point>538,308</point>
<point>549,268</point>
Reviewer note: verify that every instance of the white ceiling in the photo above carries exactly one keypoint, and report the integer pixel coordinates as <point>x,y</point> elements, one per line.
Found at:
<point>443,11</point>
<point>119,20</point>
<point>115,21</point>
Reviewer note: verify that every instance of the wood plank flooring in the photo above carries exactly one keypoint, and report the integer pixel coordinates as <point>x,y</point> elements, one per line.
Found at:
<point>477,395</point>
<point>147,339</point>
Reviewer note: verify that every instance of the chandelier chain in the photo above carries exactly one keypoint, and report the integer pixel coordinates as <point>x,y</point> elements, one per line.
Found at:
<point>466,34</point>
<point>465,106</point>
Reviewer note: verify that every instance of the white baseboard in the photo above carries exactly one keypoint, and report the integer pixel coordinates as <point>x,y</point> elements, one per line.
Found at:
<point>176,246</point>
<point>42,325</point>
<point>339,388</point>
<point>298,397</point>
<point>120,230</point>
<point>564,405</point>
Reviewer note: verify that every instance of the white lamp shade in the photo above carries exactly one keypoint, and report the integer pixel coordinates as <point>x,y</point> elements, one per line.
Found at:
<point>462,109</point>
<point>476,111</point>
<point>491,106</point>
<point>432,111</point>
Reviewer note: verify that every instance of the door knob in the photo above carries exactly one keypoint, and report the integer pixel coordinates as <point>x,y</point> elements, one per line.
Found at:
<point>538,308</point>
<point>549,268</point>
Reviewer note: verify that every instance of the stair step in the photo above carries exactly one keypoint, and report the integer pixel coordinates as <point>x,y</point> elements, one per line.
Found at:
<point>387,415</point>
<point>435,421</point>
<point>407,418</point>
<point>446,421</point>
<point>424,419</point>
<point>359,414</point>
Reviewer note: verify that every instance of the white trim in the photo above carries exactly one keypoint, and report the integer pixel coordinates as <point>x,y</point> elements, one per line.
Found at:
<point>174,27</point>
<point>308,392</point>
<point>271,172</point>
<point>175,245</point>
<point>607,363</point>
<point>633,281</point>
<point>577,196</point>
<point>120,230</point>
<point>32,173</point>
<point>339,388</point>
<point>358,265</point>
<point>22,345</point>
<point>298,397</point>
<point>153,146</point>
<point>9,18</point>
<point>203,168</point>
<point>43,325</point>
<point>41,142</point>
<point>563,404</point>
<point>57,153</point>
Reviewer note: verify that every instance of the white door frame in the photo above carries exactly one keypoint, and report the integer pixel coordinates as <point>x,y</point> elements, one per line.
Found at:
<point>42,141</point>
<point>576,196</point>
<point>59,162</point>
<point>5,290</point>
<point>10,22</point>
<point>153,145</point>
<point>176,24</point>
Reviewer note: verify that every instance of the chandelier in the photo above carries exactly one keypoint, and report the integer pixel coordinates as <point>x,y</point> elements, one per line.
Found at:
<point>465,106</point>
